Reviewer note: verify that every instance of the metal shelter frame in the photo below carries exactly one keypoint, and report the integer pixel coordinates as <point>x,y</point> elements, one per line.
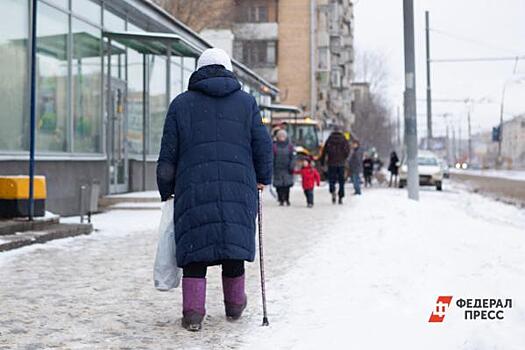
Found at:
<point>146,43</point>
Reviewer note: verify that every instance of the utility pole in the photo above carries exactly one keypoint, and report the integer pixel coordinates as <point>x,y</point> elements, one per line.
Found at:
<point>469,139</point>
<point>398,127</point>
<point>460,147</point>
<point>32,104</point>
<point>410,101</point>
<point>454,146</point>
<point>429,90</point>
<point>448,145</point>
<point>447,137</point>
<point>500,134</point>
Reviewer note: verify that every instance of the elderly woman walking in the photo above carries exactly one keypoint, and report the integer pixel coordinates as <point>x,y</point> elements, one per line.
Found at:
<point>215,154</point>
<point>283,166</point>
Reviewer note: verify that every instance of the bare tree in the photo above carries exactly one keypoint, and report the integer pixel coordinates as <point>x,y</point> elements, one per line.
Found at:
<point>370,67</point>
<point>200,14</point>
<point>373,125</point>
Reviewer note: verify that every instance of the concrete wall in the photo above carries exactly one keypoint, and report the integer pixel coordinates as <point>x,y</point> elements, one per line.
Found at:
<point>135,175</point>
<point>256,31</point>
<point>221,38</point>
<point>64,179</point>
<point>294,52</point>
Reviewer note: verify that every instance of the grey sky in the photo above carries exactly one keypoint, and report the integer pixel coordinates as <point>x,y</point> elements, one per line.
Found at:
<point>496,28</point>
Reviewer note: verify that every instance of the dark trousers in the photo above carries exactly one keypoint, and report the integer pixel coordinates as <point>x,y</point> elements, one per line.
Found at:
<point>336,174</point>
<point>283,194</point>
<point>309,194</point>
<point>368,180</point>
<point>356,180</point>
<point>230,268</point>
<point>393,177</point>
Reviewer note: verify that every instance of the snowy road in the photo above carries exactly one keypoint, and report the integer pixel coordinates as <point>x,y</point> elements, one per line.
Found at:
<point>507,186</point>
<point>365,275</point>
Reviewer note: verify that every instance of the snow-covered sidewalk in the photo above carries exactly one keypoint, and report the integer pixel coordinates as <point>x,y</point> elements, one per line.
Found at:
<point>373,279</point>
<point>364,275</point>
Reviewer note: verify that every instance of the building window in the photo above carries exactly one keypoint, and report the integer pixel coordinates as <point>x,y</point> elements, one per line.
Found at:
<point>113,22</point>
<point>86,89</point>
<point>176,76</point>
<point>52,80</point>
<point>87,9</point>
<point>335,78</point>
<point>324,59</point>
<point>14,119</point>
<point>238,50</point>
<point>335,44</point>
<point>62,3</point>
<point>253,14</point>
<point>189,67</point>
<point>256,53</point>
<point>135,101</point>
<point>158,101</point>
<point>271,52</point>
<point>261,14</point>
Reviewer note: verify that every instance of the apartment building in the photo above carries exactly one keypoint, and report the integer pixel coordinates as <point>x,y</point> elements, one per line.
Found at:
<point>335,61</point>
<point>305,47</point>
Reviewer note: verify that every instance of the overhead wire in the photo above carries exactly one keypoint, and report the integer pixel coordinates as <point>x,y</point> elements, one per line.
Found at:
<point>474,41</point>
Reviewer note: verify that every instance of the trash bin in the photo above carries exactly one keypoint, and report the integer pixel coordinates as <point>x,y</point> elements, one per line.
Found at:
<point>89,195</point>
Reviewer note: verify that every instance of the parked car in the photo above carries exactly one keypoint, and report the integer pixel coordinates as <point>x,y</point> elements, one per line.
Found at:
<point>429,169</point>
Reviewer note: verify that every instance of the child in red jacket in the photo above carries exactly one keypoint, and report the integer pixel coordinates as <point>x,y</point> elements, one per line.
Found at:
<point>310,177</point>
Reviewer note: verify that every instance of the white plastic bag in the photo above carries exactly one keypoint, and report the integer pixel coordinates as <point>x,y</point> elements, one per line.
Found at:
<point>166,273</point>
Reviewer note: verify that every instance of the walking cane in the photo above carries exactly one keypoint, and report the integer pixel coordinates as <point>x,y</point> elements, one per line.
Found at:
<point>261,262</point>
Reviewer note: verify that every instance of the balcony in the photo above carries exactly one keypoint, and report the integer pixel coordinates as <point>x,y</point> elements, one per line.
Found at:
<point>256,31</point>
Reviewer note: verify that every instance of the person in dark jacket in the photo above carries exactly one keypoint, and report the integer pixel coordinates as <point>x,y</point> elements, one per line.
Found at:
<point>215,154</point>
<point>368,169</point>
<point>355,163</point>
<point>310,177</point>
<point>393,167</point>
<point>336,149</point>
<point>283,166</point>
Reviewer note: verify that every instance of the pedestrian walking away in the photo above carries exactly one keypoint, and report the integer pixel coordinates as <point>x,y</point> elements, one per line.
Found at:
<point>283,166</point>
<point>355,163</point>
<point>335,154</point>
<point>215,154</point>
<point>310,177</point>
<point>393,168</point>
<point>368,169</point>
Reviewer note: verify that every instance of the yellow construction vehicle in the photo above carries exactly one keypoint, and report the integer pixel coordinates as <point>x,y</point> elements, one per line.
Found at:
<point>302,130</point>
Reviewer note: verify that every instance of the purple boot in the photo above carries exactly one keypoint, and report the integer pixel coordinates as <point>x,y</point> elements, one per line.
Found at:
<point>234,297</point>
<point>193,300</point>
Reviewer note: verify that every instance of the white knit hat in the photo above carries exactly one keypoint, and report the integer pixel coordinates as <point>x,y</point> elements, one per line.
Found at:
<point>214,56</point>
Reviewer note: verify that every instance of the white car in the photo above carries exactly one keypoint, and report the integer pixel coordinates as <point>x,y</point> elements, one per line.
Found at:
<point>429,169</point>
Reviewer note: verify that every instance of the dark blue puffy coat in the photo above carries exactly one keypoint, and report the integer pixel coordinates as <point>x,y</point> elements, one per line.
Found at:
<point>214,151</point>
